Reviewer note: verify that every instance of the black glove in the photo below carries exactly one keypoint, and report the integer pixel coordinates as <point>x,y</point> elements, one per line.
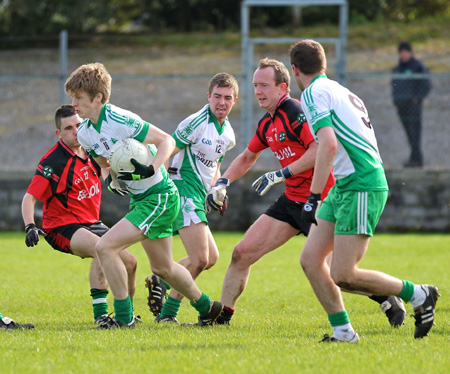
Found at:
<point>33,233</point>
<point>172,170</point>
<point>309,209</point>
<point>141,171</point>
<point>113,186</point>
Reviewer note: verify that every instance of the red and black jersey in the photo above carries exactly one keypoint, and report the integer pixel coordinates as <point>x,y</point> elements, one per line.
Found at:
<point>287,134</point>
<point>68,186</point>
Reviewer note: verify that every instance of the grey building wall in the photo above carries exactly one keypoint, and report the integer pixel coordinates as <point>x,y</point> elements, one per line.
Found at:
<point>419,200</point>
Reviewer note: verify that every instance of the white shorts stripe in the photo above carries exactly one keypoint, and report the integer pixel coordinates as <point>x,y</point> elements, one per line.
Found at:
<point>362,212</point>
<point>146,226</point>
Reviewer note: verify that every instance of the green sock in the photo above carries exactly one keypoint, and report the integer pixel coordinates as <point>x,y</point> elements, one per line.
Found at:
<point>99,302</point>
<point>339,318</point>
<point>171,307</point>
<point>123,310</point>
<point>165,284</point>
<point>202,305</point>
<point>407,291</point>
<point>1,316</point>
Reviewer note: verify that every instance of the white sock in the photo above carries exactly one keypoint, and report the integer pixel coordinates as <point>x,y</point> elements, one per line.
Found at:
<point>418,296</point>
<point>343,332</point>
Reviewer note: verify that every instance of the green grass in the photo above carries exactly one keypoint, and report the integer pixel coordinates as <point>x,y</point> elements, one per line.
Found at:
<point>275,329</point>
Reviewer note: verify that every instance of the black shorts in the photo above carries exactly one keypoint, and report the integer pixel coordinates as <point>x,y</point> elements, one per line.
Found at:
<point>59,237</point>
<point>289,211</point>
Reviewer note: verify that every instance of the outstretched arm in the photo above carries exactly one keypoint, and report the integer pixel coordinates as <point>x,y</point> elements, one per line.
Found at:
<point>28,204</point>
<point>241,165</point>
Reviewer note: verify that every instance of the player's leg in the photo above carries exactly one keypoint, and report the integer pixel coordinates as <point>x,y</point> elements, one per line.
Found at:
<point>130,263</point>
<point>109,248</point>
<point>100,229</point>
<point>313,260</point>
<point>348,252</point>
<point>263,236</point>
<point>159,252</point>
<point>202,254</point>
<point>77,240</point>
<point>350,249</point>
<point>83,244</point>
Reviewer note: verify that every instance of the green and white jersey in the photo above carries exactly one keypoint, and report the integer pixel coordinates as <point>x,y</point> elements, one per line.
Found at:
<point>203,143</point>
<point>113,125</point>
<point>357,165</point>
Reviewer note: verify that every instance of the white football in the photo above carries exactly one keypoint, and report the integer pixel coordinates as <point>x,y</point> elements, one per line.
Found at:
<point>126,149</point>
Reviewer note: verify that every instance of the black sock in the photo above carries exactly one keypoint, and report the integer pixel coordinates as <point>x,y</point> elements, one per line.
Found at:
<point>379,299</point>
<point>225,316</point>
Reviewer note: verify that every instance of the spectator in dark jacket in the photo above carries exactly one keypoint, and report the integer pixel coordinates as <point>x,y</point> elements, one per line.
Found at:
<point>408,95</point>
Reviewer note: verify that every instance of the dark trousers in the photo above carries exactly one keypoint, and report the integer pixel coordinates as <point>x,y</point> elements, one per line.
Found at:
<point>410,114</point>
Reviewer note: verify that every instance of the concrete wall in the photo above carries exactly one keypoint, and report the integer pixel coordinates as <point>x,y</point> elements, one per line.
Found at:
<point>419,200</point>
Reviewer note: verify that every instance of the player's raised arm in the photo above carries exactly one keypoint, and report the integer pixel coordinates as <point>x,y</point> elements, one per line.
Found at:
<point>164,142</point>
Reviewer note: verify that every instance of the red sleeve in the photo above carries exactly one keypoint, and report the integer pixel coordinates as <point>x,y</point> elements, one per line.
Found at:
<point>256,145</point>
<point>40,188</point>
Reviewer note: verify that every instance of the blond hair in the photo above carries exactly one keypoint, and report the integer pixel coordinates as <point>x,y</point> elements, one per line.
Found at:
<point>281,72</point>
<point>92,79</point>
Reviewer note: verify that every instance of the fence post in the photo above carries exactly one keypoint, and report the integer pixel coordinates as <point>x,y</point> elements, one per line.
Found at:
<point>63,41</point>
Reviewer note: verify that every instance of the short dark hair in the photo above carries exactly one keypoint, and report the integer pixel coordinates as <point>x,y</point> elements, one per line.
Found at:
<point>404,46</point>
<point>309,57</point>
<point>224,80</point>
<point>64,111</point>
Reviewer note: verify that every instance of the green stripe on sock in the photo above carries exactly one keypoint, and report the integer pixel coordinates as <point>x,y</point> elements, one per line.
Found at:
<point>123,310</point>
<point>407,291</point>
<point>202,305</point>
<point>339,318</point>
<point>171,307</point>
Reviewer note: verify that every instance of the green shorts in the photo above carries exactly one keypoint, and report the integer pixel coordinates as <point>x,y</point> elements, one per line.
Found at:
<point>353,212</point>
<point>155,214</point>
<point>191,210</point>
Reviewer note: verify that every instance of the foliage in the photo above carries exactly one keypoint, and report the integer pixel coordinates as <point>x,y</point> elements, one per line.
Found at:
<point>45,17</point>
<point>277,323</point>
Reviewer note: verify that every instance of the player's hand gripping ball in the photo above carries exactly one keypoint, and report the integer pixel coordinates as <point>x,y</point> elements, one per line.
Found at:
<point>121,160</point>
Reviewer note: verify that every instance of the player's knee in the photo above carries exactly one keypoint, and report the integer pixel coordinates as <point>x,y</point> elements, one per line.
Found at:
<point>307,262</point>
<point>342,279</point>
<point>243,256</point>
<point>100,249</point>
<point>131,264</point>
<point>212,260</point>
<point>201,263</point>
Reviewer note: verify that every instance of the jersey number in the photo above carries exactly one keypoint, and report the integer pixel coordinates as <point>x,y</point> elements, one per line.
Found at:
<point>358,104</point>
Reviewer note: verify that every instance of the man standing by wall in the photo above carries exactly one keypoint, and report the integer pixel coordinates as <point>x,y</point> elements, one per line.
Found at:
<point>408,95</point>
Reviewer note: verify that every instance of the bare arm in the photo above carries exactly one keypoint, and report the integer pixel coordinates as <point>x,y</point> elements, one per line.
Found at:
<point>174,152</point>
<point>164,142</point>
<point>217,175</point>
<point>324,159</point>
<point>28,204</point>
<point>241,165</point>
<point>307,161</point>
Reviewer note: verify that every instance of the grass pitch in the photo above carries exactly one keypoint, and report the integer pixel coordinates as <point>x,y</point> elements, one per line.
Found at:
<point>276,327</point>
